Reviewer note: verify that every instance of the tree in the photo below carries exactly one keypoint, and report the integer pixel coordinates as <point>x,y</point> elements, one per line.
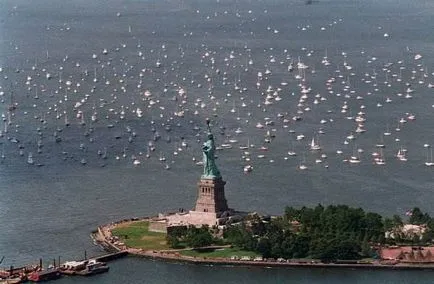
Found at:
<point>347,249</point>
<point>178,231</point>
<point>301,245</point>
<point>240,237</point>
<point>175,235</point>
<point>366,249</point>
<point>198,237</point>
<point>331,233</point>
<point>374,225</point>
<point>428,236</point>
<point>318,247</point>
<point>397,221</point>
<point>292,214</point>
<point>172,241</point>
<point>388,224</point>
<point>264,247</point>
<point>418,217</point>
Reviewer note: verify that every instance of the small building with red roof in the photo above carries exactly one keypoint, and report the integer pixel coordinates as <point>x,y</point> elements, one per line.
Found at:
<point>408,254</point>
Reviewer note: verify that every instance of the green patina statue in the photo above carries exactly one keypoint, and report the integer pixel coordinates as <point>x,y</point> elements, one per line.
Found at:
<point>210,170</point>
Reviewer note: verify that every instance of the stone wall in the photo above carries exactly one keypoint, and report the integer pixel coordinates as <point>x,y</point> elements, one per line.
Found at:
<point>159,226</point>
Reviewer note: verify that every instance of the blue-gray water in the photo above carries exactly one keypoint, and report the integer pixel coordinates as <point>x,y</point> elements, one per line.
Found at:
<point>50,210</point>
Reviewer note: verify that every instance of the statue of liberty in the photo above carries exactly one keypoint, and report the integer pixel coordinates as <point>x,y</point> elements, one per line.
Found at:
<point>210,170</point>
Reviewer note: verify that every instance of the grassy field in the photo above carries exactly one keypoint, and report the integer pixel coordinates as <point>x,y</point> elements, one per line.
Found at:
<point>137,235</point>
<point>226,253</point>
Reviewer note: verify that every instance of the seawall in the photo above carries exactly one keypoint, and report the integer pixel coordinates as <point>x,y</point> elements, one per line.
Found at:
<point>103,237</point>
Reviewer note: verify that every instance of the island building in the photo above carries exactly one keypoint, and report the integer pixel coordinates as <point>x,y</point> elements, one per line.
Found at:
<point>211,205</point>
<point>407,254</point>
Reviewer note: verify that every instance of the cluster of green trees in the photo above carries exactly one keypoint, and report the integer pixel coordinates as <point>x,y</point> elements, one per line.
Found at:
<point>335,232</point>
<point>325,233</point>
<point>183,236</point>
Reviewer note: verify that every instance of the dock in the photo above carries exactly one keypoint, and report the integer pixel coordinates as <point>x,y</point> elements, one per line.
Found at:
<point>111,256</point>
<point>23,272</point>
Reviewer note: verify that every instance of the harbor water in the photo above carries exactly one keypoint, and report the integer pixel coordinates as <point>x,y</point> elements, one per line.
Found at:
<point>104,106</point>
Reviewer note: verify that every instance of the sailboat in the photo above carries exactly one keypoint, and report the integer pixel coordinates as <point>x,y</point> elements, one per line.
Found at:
<point>95,79</point>
<point>380,160</point>
<point>3,152</point>
<point>381,144</point>
<point>302,166</point>
<point>291,152</point>
<point>30,159</point>
<point>314,146</point>
<point>82,121</point>
<point>66,120</point>
<point>12,105</point>
<point>233,109</point>
<point>429,163</point>
<point>104,154</point>
<point>245,147</point>
<point>162,158</point>
<point>248,169</point>
<point>354,159</point>
<point>401,155</point>
<point>387,133</point>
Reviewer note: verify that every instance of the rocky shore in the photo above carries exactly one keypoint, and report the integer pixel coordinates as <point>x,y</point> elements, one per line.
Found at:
<point>103,237</point>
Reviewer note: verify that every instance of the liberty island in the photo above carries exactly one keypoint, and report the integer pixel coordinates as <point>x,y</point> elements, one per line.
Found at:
<point>214,234</point>
<point>82,91</point>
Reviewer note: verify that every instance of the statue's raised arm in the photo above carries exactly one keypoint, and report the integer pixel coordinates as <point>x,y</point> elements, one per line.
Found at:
<point>210,169</point>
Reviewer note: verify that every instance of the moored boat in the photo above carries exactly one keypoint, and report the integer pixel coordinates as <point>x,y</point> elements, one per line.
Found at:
<point>14,280</point>
<point>84,268</point>
<point>93,267</point>
<point>44,275</point>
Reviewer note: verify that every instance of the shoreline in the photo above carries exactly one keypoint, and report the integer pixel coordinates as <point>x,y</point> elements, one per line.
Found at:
<point>102,236</point>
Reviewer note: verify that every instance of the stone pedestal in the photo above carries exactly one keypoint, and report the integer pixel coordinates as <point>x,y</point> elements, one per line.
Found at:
<point>211,196</point>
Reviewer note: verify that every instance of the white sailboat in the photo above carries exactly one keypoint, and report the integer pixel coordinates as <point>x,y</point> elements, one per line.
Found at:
<point>148,152</point>
<point>380,160</point>
<point>162,158</point>
<point>245,147</point>
<point>3,152</point>
<point>429,162</point>
<point>104,154</point>
<point>401,155</point>
<point>30,160</point>
<point>95,79</point>
<point>354,160</point>
<point>302,166</point>
<point>381,144</point>
<point>314,146</point>
<point>387,132</point>
<point>291,152</point>
<point>355,157</point>
<point>248,169</point>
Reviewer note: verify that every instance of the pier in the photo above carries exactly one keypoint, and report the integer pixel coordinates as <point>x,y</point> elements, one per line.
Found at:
<point>54,271</point>
<point>111,256</point>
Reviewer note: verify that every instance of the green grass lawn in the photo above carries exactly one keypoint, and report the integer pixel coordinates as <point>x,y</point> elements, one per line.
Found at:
<point>226,253</point>
<point>137,235</point>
